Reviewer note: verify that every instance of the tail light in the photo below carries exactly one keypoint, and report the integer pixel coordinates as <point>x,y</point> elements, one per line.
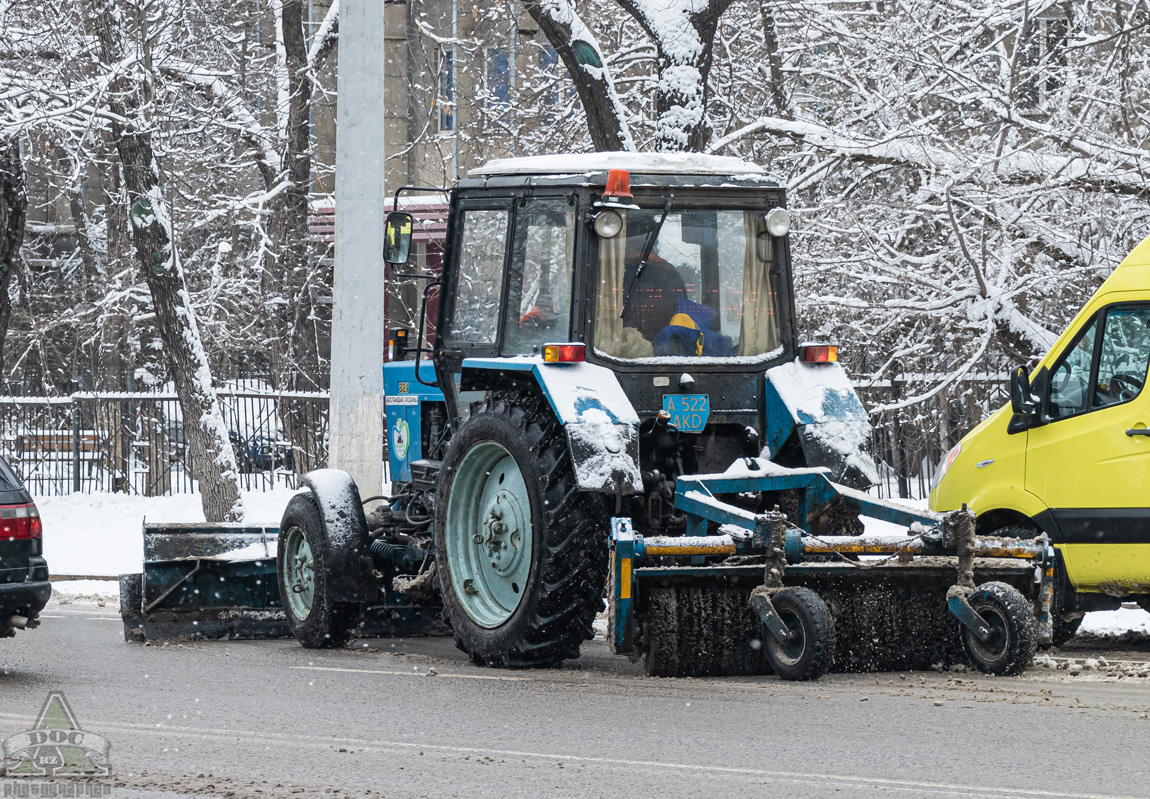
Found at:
<point>563,353</point>
<point>20,523</point>
<point>819,353</point>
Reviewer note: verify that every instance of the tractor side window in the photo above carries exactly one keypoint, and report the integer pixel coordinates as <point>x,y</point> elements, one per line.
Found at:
<point>1070,380</point>
<point>479,278</point>
<point>1125,356</point>
<point>539,288</point>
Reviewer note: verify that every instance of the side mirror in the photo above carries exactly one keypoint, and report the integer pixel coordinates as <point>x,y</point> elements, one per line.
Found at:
<point>1021,400</point>
<point>397,237</point>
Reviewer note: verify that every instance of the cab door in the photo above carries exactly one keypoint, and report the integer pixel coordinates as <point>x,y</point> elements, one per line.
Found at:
<point>1090,461</point>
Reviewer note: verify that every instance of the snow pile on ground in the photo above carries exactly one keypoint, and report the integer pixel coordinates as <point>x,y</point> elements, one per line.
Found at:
<point>1116,622</point>
<point>87,592</point>
<point>101,534</point>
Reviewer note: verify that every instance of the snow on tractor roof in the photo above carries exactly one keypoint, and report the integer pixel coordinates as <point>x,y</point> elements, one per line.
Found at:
<point>641,163</point>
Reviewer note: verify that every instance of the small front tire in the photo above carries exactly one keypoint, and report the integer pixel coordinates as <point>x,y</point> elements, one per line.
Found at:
<point>808,655</point>
<point>314,618</point>
<point>1013,632</point>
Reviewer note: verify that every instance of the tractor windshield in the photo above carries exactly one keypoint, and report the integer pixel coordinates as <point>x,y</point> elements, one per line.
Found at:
<point>707,289</point>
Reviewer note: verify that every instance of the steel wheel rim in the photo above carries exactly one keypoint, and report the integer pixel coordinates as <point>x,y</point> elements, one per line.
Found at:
<point>999,644</point>
<point>298,574</point>
<point>489,534</point>
<point>791,652</point>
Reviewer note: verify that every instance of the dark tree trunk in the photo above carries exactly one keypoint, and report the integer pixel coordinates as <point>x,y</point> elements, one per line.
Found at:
<point>605,121</point>
<point>150,227</point>
<point>288,272</point>
<point>211,452</point>
<point>774,61</point>
<point>13,211</point>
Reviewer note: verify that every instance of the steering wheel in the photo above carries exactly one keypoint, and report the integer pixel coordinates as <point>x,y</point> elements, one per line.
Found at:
<point>1060,379</point>
<point>537,319</point>
<point>1128,386</point>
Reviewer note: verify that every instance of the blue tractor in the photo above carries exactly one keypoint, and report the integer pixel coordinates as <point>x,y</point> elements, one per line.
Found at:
<point>616,406</point>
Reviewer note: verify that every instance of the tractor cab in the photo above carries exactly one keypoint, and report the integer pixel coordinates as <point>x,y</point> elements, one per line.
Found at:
<point>670,272</point>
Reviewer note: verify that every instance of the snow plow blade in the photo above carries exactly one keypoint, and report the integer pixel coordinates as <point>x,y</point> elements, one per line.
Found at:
<point>933,597</point>
<point>203,582</point>
<point>219,581</point>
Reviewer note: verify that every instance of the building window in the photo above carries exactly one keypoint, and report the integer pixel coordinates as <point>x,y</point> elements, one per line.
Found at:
<point>560,87</point>
<point>446,99</point>
<point>498,78</point>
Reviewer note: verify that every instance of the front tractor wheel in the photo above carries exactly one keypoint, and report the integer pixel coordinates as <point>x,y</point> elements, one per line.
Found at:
<point>521,553</point>
<point>315,620</point>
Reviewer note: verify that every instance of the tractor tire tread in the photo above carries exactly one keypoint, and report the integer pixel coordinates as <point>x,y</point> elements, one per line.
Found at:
<point>330,624</point>
<point>818,629</point>
<point>1018,613</point>
<point>574,542</point>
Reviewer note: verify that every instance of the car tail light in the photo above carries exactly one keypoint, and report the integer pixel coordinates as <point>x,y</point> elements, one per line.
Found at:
<point>563,353</point>
<point>819,353</point>
<point>20,523</point>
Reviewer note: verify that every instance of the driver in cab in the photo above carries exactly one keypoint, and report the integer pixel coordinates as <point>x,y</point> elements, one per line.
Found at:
<point>658,306</point>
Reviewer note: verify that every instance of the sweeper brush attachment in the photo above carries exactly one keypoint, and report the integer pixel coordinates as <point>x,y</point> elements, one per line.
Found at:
<point>749,592</point>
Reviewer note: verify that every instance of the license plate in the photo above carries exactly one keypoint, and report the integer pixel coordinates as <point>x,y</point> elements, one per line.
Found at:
<point>689,412</point>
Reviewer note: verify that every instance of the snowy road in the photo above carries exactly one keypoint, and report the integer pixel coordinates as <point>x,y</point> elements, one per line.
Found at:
<point>271,719</point>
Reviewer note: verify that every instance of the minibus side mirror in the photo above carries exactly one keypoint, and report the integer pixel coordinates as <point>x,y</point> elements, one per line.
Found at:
<point>397,237</point>
<point>1021,400</point>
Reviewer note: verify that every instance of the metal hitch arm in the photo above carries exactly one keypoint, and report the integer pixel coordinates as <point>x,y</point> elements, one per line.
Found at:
<point>969,617</point>
<point>761,602</point>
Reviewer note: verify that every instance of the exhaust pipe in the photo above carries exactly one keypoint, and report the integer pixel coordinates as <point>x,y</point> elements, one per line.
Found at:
<point>17,622</point>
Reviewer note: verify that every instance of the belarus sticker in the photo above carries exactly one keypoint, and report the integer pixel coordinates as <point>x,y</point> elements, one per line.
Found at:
<point>400,438</point>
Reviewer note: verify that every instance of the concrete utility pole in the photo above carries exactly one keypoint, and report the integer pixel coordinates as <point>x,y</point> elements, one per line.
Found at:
<point>357,330</point>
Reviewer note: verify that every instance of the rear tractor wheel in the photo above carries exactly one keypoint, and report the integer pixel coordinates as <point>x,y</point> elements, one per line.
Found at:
<point>1013,634</point>
<point>521,553</point>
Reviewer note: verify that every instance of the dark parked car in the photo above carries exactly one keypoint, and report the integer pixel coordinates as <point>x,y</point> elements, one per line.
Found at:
<point>24,586</point>
<point>261,453</point>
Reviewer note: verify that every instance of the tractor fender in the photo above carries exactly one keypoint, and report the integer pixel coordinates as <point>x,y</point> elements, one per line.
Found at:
<point>818,403</point>
<point>349,577</point>
<point>601,425</point>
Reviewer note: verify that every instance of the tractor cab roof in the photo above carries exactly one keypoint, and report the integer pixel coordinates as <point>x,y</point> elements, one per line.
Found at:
<point>646,169</point>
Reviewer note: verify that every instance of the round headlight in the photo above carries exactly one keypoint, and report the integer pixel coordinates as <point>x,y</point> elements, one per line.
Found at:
<point>608,224</point>
<point>778,222</point>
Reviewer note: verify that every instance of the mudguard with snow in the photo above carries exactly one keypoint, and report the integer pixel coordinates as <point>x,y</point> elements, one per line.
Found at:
<point>345,534</point>
<point>601,425</point>
<point>817,403</point>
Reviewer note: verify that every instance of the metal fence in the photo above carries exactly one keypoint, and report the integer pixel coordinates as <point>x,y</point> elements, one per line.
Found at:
<point>910,443</point>
<point>136,443</point>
